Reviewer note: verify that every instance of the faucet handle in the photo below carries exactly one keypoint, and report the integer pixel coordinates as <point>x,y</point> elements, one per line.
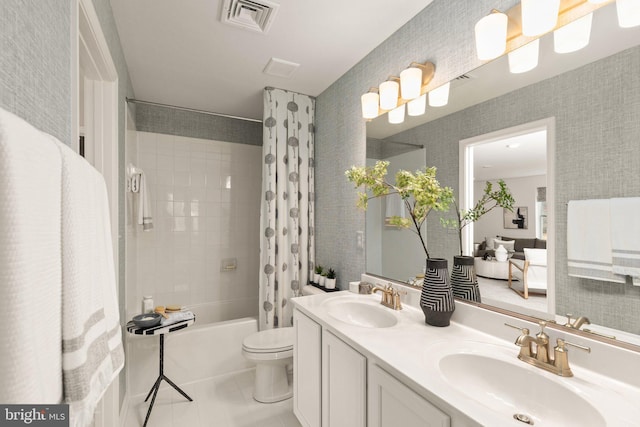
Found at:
<point>562,343</point>
<point>525,331</point>
<point>589,331</point>
<point>569,316</point>
<point>543,324</point>
<point>542,335</point>
<point>397,301</point>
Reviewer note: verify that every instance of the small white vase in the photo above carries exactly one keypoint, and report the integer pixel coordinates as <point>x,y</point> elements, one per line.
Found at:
<point>501,254</point>
<point>330,283</point>
<point>316,278</point>
<point>323,280</point>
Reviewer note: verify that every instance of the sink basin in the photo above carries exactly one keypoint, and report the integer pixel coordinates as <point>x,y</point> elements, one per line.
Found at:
<point>514,389</point>
<point>361,314</point>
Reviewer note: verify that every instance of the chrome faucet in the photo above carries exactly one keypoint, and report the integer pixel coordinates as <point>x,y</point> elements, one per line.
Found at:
<point>540,357</point>
<point>390,297</point>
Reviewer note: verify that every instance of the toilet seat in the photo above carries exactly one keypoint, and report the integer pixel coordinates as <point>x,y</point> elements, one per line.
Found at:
<point>269,341</point>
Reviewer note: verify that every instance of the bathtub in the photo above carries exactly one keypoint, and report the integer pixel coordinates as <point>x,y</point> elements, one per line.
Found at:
<point>196,353</point>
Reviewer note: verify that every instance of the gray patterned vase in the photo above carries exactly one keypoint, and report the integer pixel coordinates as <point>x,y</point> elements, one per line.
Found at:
<point>436,299</point>
<point>463,279</point>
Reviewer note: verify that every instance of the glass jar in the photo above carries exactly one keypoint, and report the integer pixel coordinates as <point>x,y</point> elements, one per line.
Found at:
<point>147,304</point>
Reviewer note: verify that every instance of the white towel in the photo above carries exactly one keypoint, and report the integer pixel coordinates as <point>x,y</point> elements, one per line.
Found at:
<point>625,237</point>
<point>394,206</point>
<point>144,205</point>
<point>589,240</point>
<point>177,316</point>
<point>92,353</point>
<point>30,267</point>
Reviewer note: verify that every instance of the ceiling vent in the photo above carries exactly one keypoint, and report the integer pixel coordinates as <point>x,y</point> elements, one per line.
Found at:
<point>461,80</point>
<point>251,15</point>
<point>280,68</point>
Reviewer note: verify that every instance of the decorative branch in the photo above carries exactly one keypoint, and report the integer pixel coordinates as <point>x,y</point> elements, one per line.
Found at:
<point>420,191</point>
<point>500,198</point>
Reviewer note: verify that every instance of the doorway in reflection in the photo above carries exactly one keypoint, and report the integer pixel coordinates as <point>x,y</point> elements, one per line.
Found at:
<point>520,157</point>
<point>401,255</point>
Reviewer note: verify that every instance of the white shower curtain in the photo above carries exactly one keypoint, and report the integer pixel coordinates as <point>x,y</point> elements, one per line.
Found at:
<point>286,215</point>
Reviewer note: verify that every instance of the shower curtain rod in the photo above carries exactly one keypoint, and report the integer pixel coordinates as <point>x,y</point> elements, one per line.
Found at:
<point>157,104</point>
<point>405,143</point>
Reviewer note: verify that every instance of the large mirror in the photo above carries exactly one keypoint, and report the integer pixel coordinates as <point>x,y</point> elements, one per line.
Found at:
<point>567,130</point>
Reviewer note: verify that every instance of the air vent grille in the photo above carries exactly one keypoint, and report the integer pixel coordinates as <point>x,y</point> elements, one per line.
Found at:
<point>251,15</point>
<point>462,80</point>
<point>280,68</point>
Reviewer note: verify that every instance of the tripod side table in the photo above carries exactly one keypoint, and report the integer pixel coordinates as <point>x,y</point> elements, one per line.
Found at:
<point>161,330</point>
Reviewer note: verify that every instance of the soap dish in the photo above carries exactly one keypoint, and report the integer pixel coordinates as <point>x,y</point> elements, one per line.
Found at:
<point>147,320</point>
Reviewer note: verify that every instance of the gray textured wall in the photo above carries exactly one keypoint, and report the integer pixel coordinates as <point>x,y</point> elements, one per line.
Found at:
<point>443,34</point>
<point>597,111</point>
<point>35,63</point>
<point>172,121</point>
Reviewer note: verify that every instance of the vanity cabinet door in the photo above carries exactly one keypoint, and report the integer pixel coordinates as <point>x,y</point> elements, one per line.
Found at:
<point>392,404</point>
<point>344,384</point>
<point>307,353</point>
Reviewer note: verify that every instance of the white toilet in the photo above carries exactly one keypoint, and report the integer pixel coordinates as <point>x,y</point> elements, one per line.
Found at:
<point>272,351</point>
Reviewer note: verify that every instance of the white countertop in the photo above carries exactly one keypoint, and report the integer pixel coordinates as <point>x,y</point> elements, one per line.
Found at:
<point>408,350</point>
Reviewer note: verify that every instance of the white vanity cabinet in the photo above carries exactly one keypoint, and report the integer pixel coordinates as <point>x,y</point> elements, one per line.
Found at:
<point>307,365</point>
<point>344,384</point>
<point>334,385</point>
<point>391,403</point>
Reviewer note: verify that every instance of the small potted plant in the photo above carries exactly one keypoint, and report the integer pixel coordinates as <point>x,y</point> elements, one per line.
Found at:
<point>330,281</point>
<point>317,275</point>
<point>323,278</point>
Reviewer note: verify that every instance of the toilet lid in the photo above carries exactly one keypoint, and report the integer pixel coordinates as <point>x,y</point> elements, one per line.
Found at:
<point>270,340</point>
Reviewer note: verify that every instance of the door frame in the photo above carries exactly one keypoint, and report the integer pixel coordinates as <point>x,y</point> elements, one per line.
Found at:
<point>467,199</point>
<point>100,131</point>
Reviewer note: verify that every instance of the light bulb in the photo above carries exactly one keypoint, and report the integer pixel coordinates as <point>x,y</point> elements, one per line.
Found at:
<point>389,95</point>
<point>573,36</point>
<point>439,97</point>
<point>525,58</point>
<point>628,13</point>
<point>396,116</point>
<point>370,105</point>
<point>491,36</point>
<point>410,83</point>
<point>417,107</point>
<point>539,16</point>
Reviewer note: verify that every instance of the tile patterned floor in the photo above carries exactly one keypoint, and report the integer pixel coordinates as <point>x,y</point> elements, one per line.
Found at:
<point>223,401</point>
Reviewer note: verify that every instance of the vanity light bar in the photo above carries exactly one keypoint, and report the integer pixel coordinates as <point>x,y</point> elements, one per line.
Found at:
<point>519,33</point>
<point>394,93</point>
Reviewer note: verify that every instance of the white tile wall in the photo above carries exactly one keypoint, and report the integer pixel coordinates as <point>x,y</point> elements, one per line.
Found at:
<point>206,207</point>
<point>131,230</point>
